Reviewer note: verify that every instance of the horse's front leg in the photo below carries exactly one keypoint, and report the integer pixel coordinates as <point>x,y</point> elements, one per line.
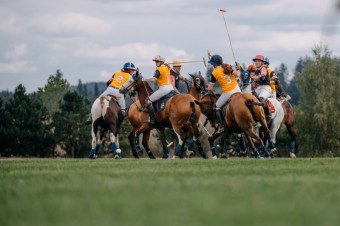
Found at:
<point>211,140</point>
<point>95,144</point>
<point>164,144</point>
<point>132,144</point>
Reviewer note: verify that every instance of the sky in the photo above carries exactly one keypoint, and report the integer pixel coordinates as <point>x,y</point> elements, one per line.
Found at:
<point>91,39</point>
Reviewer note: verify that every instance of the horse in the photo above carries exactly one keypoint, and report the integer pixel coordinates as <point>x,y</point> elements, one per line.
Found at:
<point>180,112</point>
<point>106,116</point>
<point>277,111</point>
<point>241,114</point>
<point>289,121</point>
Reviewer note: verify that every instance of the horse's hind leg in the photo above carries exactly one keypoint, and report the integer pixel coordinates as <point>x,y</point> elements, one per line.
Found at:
<point>250,134</point>
<point>198,143</point>
<point>95,145</point>
<point>114,146</point>
<point>179,150</point>
<point>292,143</point>
<point>146,136</point>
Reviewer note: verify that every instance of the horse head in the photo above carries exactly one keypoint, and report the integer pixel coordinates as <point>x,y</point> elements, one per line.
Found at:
<point>206,104</point>
<point>199,82</point>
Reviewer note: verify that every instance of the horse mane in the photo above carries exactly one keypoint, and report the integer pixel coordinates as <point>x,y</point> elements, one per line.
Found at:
<point>148,87</point>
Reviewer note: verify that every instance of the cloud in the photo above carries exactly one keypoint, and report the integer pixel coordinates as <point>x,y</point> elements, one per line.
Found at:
<point>138,51</point>
<point>18,51</point>
<point>18,66</point>
<point>71,23</point>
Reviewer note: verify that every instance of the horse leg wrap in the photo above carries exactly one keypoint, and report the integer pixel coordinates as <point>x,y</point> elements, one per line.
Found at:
<point>92,153</point>
<point>256,153</point>
<point>265,152</point>
<point>97,149</point>
<point>114,147</point>
<point>200,149</point>
<point>179,151</point>
<point>213,151</point>
<point>165,152</point>
<point>292,146</point>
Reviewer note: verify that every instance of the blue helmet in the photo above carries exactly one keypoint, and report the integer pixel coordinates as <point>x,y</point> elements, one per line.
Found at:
<point>266,60</point>
<point>216,59</point>
<point>129,66</point>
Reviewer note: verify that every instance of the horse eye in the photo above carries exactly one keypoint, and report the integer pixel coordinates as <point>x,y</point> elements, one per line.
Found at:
<point>197,79</point>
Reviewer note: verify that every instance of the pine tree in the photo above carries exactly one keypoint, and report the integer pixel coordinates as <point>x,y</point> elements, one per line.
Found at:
<point>70,131</point>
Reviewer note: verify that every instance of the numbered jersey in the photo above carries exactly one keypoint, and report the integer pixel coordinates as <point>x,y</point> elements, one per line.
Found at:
<point>163,75</point>
<point>119,78</point>
<point>227,82</point>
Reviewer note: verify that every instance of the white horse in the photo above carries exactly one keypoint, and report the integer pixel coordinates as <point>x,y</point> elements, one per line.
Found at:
<point>277,111</point>
<point>106,116</point>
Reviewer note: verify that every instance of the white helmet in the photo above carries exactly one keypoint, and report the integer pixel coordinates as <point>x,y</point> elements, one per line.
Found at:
<point>158,58</point>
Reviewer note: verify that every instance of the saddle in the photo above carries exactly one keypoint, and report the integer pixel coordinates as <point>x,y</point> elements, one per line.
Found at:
<point>270,106</point>
<point>159,105</point>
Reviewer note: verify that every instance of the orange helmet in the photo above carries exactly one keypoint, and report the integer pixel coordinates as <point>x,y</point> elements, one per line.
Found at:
<point>259,57</point>
<point>251,68</point>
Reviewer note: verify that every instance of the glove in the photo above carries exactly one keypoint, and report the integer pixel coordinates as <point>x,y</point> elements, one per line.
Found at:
<point>237,66</point>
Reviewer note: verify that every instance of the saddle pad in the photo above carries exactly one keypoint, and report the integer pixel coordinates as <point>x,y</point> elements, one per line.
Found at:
<point>270,106</point>
<point>160,104</point>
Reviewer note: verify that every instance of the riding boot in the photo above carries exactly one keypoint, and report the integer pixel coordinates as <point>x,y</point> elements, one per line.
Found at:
<point>280,91</point>
<point>152,119</point>
<point>267,113</point>
<point>220,121</point>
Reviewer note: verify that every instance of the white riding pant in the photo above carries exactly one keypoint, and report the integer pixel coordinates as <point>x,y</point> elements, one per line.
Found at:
<point>274,95</point>
<point>263,91</point>
<point>225,97</point>
<point>162,91</point>
<point>115,92</point>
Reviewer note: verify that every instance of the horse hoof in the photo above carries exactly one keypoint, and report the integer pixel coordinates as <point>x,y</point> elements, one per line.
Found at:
<point>214,157</point>
<point>292,155</point>
<point>117,156</point>
<point>151,156</point>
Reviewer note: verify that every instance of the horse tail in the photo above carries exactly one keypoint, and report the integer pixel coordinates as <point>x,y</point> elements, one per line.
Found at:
<point>193,113</point>
<point>252,104</point>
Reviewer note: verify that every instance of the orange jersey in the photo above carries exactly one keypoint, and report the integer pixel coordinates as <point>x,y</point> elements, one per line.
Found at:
<point>272,82</point>
<point>164,75</point>
<point>119,79</point>
<point>227,82</point>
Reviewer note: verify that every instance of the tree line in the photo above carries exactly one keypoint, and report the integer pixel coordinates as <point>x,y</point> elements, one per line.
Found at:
<point>35,124</point>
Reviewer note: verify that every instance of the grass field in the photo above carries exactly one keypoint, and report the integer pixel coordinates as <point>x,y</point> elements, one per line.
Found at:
<point>50,192</point>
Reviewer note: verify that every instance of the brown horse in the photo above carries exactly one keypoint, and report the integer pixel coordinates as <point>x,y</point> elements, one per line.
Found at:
<point>289,121</point>
<point>181,113</point>
<point>241,114</point>
<point>106,116</point>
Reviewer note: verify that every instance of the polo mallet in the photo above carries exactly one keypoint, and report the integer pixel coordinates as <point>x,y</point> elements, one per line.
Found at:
<point>205,128</point>
<point>168,144</point>
<point>226,27</point>
<point>193,61</point>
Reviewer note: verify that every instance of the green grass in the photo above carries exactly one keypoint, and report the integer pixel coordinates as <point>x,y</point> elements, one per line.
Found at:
<point>169,192</point>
